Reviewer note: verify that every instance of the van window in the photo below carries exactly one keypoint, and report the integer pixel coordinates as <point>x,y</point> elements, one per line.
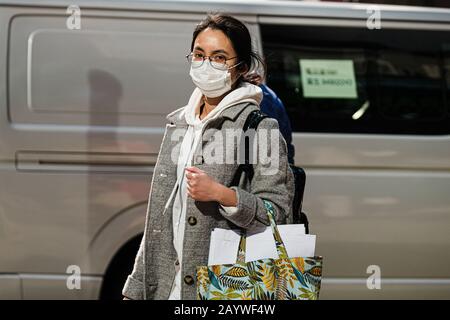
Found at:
<point>112,71</point>
<point>350,80</point>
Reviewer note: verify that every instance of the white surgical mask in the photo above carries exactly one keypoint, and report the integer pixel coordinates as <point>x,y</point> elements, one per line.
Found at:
<point>211,81</point>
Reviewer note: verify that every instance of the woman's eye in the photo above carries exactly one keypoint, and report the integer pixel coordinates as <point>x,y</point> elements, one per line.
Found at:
<point>219,58</point>
<point>198,56</point>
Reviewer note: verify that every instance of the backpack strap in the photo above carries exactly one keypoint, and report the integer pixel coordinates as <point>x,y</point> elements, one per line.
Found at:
<point>299,179</point>
<point>252,122</point>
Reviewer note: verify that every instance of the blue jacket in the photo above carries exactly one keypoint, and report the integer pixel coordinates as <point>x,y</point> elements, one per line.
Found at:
<point>274,108</point>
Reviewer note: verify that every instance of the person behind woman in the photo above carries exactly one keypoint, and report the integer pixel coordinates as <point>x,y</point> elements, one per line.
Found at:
<point>190,195</point>
<point>274,108</point>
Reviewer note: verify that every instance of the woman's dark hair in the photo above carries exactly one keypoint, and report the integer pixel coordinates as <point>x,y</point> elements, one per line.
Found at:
<point>240,38</point>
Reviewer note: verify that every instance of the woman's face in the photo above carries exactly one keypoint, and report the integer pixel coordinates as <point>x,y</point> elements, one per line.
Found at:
<point>212,42</point>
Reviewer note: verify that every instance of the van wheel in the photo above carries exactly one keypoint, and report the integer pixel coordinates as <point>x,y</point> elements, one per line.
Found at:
<point>119,269</point>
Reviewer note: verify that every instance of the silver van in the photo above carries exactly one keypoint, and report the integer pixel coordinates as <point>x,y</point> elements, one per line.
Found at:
<point>84,90</point>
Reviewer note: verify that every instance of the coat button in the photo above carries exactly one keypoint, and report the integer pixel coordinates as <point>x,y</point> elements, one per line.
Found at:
<point>177,262</point>
<point>192,221</point>
<point>199,159</point>
<point>189,280</point>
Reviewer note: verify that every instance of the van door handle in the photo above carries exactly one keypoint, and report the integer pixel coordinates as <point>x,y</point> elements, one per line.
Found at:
<point>85,161</point>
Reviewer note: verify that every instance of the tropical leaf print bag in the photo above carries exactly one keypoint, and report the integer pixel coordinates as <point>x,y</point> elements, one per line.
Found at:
<point>284,278</point>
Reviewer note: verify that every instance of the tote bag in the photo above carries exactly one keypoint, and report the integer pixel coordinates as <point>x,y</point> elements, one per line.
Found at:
<point>285,278</point>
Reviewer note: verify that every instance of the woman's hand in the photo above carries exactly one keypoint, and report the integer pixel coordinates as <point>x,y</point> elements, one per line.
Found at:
<point>202,187</point>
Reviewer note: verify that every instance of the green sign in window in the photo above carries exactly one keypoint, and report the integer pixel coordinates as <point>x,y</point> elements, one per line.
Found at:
<point>328,78</point>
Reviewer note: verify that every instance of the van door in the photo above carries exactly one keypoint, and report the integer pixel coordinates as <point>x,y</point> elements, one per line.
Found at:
<point>371,121</point>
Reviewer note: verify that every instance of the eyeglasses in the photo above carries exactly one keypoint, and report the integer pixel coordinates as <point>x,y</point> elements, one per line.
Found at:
<point>217,61</point>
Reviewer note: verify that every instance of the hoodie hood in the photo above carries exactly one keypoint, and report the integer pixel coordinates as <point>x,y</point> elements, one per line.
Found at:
<point>246,92</point>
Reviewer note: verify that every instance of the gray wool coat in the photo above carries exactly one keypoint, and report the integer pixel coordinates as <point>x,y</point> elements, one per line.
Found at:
<point>154,268</point>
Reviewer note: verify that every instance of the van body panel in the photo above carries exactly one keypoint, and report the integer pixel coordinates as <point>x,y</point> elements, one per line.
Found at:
<point>82,114</point>
<point>396,221</point>
<point>359,151</point>
<point>60,287</point>
<point>391,289</point>
<point>11,287</point>
<point>113,235</point>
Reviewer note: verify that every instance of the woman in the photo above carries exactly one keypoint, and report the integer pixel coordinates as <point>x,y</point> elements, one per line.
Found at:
<point>191,195</point>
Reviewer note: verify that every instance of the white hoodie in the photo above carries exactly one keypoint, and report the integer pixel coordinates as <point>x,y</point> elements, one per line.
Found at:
<point>246,92</point>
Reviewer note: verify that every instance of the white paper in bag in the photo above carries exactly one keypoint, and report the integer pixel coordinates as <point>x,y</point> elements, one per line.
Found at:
<point>224,244</point>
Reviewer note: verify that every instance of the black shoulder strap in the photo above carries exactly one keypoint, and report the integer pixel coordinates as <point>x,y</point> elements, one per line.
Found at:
<point>252,122</point>
<point>253,119</point>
